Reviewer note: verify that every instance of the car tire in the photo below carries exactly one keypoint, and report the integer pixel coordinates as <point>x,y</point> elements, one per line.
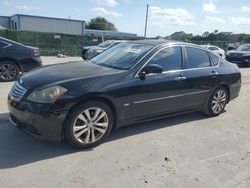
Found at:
<point>9,71</point>
<point>83,129</point>
<point>216,102</point>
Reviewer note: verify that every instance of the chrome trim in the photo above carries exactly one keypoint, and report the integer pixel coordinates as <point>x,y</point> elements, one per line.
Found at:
<point>169,97</point>
<point>12,122</point>
<point>18,91</point>
<point>177,45</point>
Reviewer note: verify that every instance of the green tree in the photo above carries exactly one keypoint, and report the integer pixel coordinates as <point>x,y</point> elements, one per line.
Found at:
<point>181,36</point>
<point>100,23</point>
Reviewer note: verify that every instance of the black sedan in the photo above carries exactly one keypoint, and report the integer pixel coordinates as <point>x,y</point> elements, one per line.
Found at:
<point>88,52</point>
<point>240,56</point>
<point>16,58</point>
<point>130,83</point>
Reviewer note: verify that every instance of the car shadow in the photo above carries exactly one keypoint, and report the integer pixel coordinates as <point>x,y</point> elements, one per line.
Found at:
<point>18,148</point>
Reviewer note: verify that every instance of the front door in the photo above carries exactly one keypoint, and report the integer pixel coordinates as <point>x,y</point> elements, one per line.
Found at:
<point>164,92</point>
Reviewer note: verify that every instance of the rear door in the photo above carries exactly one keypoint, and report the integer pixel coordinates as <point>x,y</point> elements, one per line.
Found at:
<point>202,76</point>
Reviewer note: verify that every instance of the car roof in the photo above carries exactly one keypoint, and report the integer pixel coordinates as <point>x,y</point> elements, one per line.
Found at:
<point>160,43</point>
<point>116,40</point>
<point>209,45</point>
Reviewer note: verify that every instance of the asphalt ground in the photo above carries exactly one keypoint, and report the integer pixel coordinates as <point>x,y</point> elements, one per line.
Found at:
<point>185,151</point>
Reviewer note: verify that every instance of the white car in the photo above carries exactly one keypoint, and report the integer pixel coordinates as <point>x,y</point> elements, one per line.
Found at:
<point>215,49</point>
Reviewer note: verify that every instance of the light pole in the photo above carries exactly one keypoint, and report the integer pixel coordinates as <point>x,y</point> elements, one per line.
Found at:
<point>146,22</point>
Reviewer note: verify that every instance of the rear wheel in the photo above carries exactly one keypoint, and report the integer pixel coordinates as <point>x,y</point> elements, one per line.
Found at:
<point>9,71</point>
<point>217,102</point>
<point>88,124</point>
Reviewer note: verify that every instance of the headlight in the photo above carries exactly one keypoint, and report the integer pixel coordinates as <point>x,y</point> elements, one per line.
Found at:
<point>48,95</point>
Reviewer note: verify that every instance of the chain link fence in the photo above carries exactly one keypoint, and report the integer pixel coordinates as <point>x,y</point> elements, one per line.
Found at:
<point>51,43</point>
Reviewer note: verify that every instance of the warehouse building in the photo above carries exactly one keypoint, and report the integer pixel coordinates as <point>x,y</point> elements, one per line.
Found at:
<point>54,25</point>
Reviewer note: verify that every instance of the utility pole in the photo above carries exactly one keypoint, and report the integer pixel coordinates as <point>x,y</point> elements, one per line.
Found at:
<point>146,22</point>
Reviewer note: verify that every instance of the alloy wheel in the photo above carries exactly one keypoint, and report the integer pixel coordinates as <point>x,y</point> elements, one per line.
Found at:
<point>219,101</point>
<point>90,125</point>
<point>8,72</point>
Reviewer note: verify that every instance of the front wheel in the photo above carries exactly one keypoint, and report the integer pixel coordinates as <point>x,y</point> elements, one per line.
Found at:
<point>88,124</point>
<point>217,102</point>
<point>9,71</point>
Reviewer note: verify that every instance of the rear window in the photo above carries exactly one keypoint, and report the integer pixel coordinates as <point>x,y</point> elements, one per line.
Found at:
<point>197,58</point>
<point>214,59</point>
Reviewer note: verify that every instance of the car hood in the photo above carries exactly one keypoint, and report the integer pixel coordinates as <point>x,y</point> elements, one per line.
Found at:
<point>55,74</point>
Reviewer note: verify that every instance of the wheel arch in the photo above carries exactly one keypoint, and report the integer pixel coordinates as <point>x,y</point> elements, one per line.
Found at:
<point>227,88</point>
<point>106,100</point>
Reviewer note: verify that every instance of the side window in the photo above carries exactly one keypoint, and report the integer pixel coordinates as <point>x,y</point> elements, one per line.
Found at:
<point>169,59</point>
<point>197,58</point>
<point>214,59</point>
<point>2,44</point>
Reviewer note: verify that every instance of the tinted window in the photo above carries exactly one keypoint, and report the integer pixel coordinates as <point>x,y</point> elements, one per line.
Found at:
<point>214,59</point>
<point>197,58</point>
<point>213,48</point>
<point>169,59</point>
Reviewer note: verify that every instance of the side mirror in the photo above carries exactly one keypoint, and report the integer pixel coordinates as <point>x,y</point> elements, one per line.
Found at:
<point>150,69</point>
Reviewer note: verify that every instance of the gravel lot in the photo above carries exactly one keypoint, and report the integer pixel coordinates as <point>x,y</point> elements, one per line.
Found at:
<point>185,151</point>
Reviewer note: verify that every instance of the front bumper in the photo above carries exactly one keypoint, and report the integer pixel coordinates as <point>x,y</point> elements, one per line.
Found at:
<point>37,119</point>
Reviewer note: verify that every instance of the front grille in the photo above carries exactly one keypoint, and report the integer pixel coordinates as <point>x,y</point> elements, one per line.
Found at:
<point>18,91</point>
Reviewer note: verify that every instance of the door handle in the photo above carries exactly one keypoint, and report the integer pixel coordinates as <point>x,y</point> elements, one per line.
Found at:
<point>214,73</point>
<point>179,78</point>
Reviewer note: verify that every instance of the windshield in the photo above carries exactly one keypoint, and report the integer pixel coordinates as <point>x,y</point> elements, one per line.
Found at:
<point>105,44</point>
<point>122,56</point>
<point>244,47</point>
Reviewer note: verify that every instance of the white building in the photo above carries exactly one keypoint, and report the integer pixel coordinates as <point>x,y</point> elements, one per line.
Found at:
<point>54,25</point>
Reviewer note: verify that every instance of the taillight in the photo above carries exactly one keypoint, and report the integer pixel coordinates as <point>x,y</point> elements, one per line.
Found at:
<point>35,53</point>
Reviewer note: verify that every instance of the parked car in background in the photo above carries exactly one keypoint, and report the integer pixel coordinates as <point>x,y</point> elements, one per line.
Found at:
<point>215,49</point>
<point>130,83</point>
<point>16,58</point>
<point>89,52</point>
<point>240,56</point>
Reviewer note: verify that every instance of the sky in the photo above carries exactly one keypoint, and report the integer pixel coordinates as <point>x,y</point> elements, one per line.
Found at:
<point>165,16</point>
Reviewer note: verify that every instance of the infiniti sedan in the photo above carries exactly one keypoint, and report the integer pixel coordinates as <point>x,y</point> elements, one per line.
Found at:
<point>132,82</point>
